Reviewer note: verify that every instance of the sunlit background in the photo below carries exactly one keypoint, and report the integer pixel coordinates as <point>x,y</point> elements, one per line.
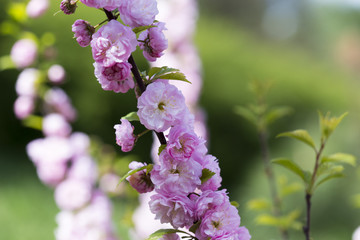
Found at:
<point>309,50</point>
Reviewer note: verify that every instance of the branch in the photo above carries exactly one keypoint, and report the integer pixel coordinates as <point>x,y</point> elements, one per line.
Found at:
<point>138,79</point>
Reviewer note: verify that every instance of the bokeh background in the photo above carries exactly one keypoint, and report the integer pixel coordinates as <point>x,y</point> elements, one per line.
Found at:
<point>309,50</point>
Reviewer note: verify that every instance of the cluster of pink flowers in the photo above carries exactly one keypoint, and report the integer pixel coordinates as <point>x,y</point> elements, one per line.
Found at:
<point>186,181</point>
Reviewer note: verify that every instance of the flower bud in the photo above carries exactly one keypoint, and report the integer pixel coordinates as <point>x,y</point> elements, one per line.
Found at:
<point>140,181</point>
<point>68,6</point>
<point>83,32</point>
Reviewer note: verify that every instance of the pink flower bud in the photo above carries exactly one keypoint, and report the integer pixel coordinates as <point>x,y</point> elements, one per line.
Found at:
<point>124,135</point>
<point>23,53</point>
<point>83,32</point>
<point>56,73</point>
<point>68,6</point>
<point>140,181</point>
<point>56,125</point>
<point>36,8</point>
<point>23,106</point>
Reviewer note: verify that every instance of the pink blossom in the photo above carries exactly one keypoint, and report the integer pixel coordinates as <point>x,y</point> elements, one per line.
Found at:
<point>109,5</point>
<point>210,200</point>
<point>72,194</point>
<point>24,53</point>
<point>178,210</point>
<point>49,150</point>
<point>56,73</point>
<point>83,168</point>
<point>219,222</point>
<point>356,234</point>
<point>240,233</point>
<point>23,106</point>
<point>211,163</point>
<point>36,8</point>
<point>125,137</point>
<point>68,6</point>
<point>58,101</point>
<point>55,125</point>
<point>113,43</point>
<point>137,13</point>
<point>179,177</point>
<point>182,142</point>
<point>109,183</point>
<point>80,143</point>
<point>161,106</point>
<point>83,32</point>
<point>153,41</point>
<point>140,181</point>
<point>115,78</point>
<point>26,82</point>
<point>51,173</point>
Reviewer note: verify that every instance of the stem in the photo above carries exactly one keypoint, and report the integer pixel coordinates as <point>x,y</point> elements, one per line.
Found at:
<point>271,179</point>
<point>309,192</point>
<point>138,79</point>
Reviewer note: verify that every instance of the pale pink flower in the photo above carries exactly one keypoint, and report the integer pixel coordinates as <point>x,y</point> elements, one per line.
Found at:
<point>177,177</point>
<point>218,222</point>
<point>182,142</point>
<point>23,106</point>
<point>140,181</point>
<point>109,183</point>
<point>58,101</point>
<point>24,53</point>
<point>51,173</point>
<point>26,82</point>
<point>125,137</point>
<point>83,32</point>
<point>109,5</point>
<point>72,194</point>
<point>83,168</point>
<point>49,150</point>
<point>56,73</point>
<point>55,125</point>
<point>240,233</point>
<point>115,78</point>
<point>161,106</point>
<point>36,8</point>
<point>153,42</point>
<point>137,13</point>
<point>80,143</point>
<point>113,43</point>
<point>211,163</point>
<point>210,200</point>
<point>178,210</point>
<point>356,234</point>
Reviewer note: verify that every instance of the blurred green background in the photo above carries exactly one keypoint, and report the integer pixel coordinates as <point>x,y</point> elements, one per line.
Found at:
<point>311,53</point>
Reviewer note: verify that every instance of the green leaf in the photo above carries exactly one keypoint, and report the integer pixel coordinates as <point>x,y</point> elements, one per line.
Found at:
<point>34,122</point>
<point>160,233</point>
<point>329,177</point>
<point>235,204</point>
<point>329,168</point>
<point>6,63</point>
<point>259,204</point>
<point>284,222</point>
<point>131,117</point>
<point>247,114</point>
<point>161,148</point>
<point>206,175</point>
<point>175,76</point>
<point>276,114</point>
<point>328,124</point>
<point>142,28</point>
<point>17,11</point>
<point>195,227</point>
<point>155,71</point>
<point>290,189</point>
<point>340,158</point>
<point>301,135</point>
<point>292,166</point>
<point>147,167</point>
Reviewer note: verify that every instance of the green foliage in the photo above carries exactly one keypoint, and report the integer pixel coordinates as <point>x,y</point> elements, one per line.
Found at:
<point>166,73</point>
<point>293,167</point>
<point>284,222</point>
<point>301,135</point>
<point>328,124</point>
<point>131,117</point>
<point>161,148</point>
<point>161,232</point>
<point>138,30</point>
<point>340,158</point>
<point>34,122</point>
<point>206,175</point>
<point>17,11</point>
<point>259,204</point>
<point>356,200</point>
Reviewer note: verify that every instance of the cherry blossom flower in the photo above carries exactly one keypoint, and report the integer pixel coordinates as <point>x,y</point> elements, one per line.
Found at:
<point>137,13</point>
